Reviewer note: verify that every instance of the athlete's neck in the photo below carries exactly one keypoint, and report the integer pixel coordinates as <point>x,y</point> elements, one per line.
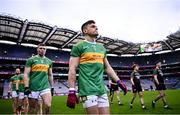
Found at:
<point>42,56</point>
<point>90,39</point>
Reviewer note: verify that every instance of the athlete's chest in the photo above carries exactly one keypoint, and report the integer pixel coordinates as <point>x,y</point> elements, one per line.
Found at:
<point>137,75</point>
<point>40,64</point>
<point>40,61</point>
<point>14,79</point>
<point>92,48</point>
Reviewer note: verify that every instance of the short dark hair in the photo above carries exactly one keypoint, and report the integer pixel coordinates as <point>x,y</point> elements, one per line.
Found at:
<point>87,23</point>
<point>41,44</point>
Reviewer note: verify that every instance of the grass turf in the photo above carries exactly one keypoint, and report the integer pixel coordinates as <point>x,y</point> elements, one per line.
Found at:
<point>59,105</point>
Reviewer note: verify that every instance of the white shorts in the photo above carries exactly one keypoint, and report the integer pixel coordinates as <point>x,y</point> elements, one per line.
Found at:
<point>14,94</point>
<point>21,95</point>
<point>93,100</point>
<point>38,94</point>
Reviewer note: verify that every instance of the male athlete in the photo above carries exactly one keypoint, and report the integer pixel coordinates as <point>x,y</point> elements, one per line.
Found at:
<point>160,86</point>
<point>23,100</point>
<point>14,89</point>
<point>38,79</point>
<point>91,59</point>
<point>136,86</point>
<point>114,90</point>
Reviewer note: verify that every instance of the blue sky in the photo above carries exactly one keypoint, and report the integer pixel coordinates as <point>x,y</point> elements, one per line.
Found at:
<point>130,20</point>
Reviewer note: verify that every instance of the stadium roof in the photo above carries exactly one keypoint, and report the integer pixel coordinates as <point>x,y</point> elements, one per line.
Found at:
<point>22,31</point>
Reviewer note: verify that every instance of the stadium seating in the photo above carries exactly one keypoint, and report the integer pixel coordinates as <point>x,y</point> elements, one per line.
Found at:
<point>15,56</point>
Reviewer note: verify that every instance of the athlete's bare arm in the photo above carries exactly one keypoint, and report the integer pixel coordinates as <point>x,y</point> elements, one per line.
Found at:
<point>73,64</point>
<point>109,70</point>
<point>26,78</point>
<point>50,76</point>
<point>156,80</point>
<point>10,86</point>
<point>17,85</point>
<point>132,80</point>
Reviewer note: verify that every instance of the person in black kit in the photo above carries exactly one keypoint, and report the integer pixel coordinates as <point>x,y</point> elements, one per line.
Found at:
<point>160,86</point>
<point>114,89</point>
<point>136,86</point>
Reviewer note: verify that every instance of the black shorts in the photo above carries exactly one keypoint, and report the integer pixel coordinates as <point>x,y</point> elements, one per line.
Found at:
<point>114,87</point>
<point>136,88</point>
<point>161,86</point>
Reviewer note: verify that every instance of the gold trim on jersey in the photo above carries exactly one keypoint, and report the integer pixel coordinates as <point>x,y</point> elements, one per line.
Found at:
<point>40,67</point>
<point>21,81</point>
<point>14,81</point>
<point>92,57</point>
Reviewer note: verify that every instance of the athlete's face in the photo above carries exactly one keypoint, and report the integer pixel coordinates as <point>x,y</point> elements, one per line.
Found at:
<point>18,71</point>
<point>159,65</point>
<point>91,30</point>
<point>41,50</point>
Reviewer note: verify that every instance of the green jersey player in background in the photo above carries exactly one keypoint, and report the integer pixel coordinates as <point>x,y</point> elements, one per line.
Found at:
<point>23,100</point>
<point>38,79</point>
<point>14,89</point>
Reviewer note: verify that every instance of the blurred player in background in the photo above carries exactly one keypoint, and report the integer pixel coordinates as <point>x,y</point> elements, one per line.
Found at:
<point>14,89</point>
<point>22,100</point>
<point>114,91</point>
<point>136,86</point>
<point>160,86</point>
<point>91,59</point>
<point>38,79</point>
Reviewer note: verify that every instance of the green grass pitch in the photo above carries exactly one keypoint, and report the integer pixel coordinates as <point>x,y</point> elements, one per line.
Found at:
<point>59,105</point>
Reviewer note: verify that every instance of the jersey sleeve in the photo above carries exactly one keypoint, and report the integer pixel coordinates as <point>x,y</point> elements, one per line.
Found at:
<point>105,54</point>
<point>105,51</point>
<point>132,75</point>
<point>75,52</point>
<point>155,72</point>
<point>28,63</point>
<point>51,64</point>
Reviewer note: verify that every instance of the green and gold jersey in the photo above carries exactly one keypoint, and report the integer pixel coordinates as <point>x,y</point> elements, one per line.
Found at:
<point>14,79</point>
<point>38,76</point>
<point>91,67</point>
<point>21,83</point>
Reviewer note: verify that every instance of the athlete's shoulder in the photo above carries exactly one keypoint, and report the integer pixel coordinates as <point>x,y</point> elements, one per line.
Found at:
<point>155,70</point>
<point>82,42</point>
<point>132,73</point>
<point>12,77</point>
<point>101,46</point>
<point>48,59</point>
<point>33,57</point>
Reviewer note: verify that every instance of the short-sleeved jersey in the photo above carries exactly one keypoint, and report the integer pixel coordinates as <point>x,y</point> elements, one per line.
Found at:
<point>159,74</point>
<point>14,79</point>
<point>21,83</point>
<point>38,76</point>
<point>91,67</point>
<point>136,77</point>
